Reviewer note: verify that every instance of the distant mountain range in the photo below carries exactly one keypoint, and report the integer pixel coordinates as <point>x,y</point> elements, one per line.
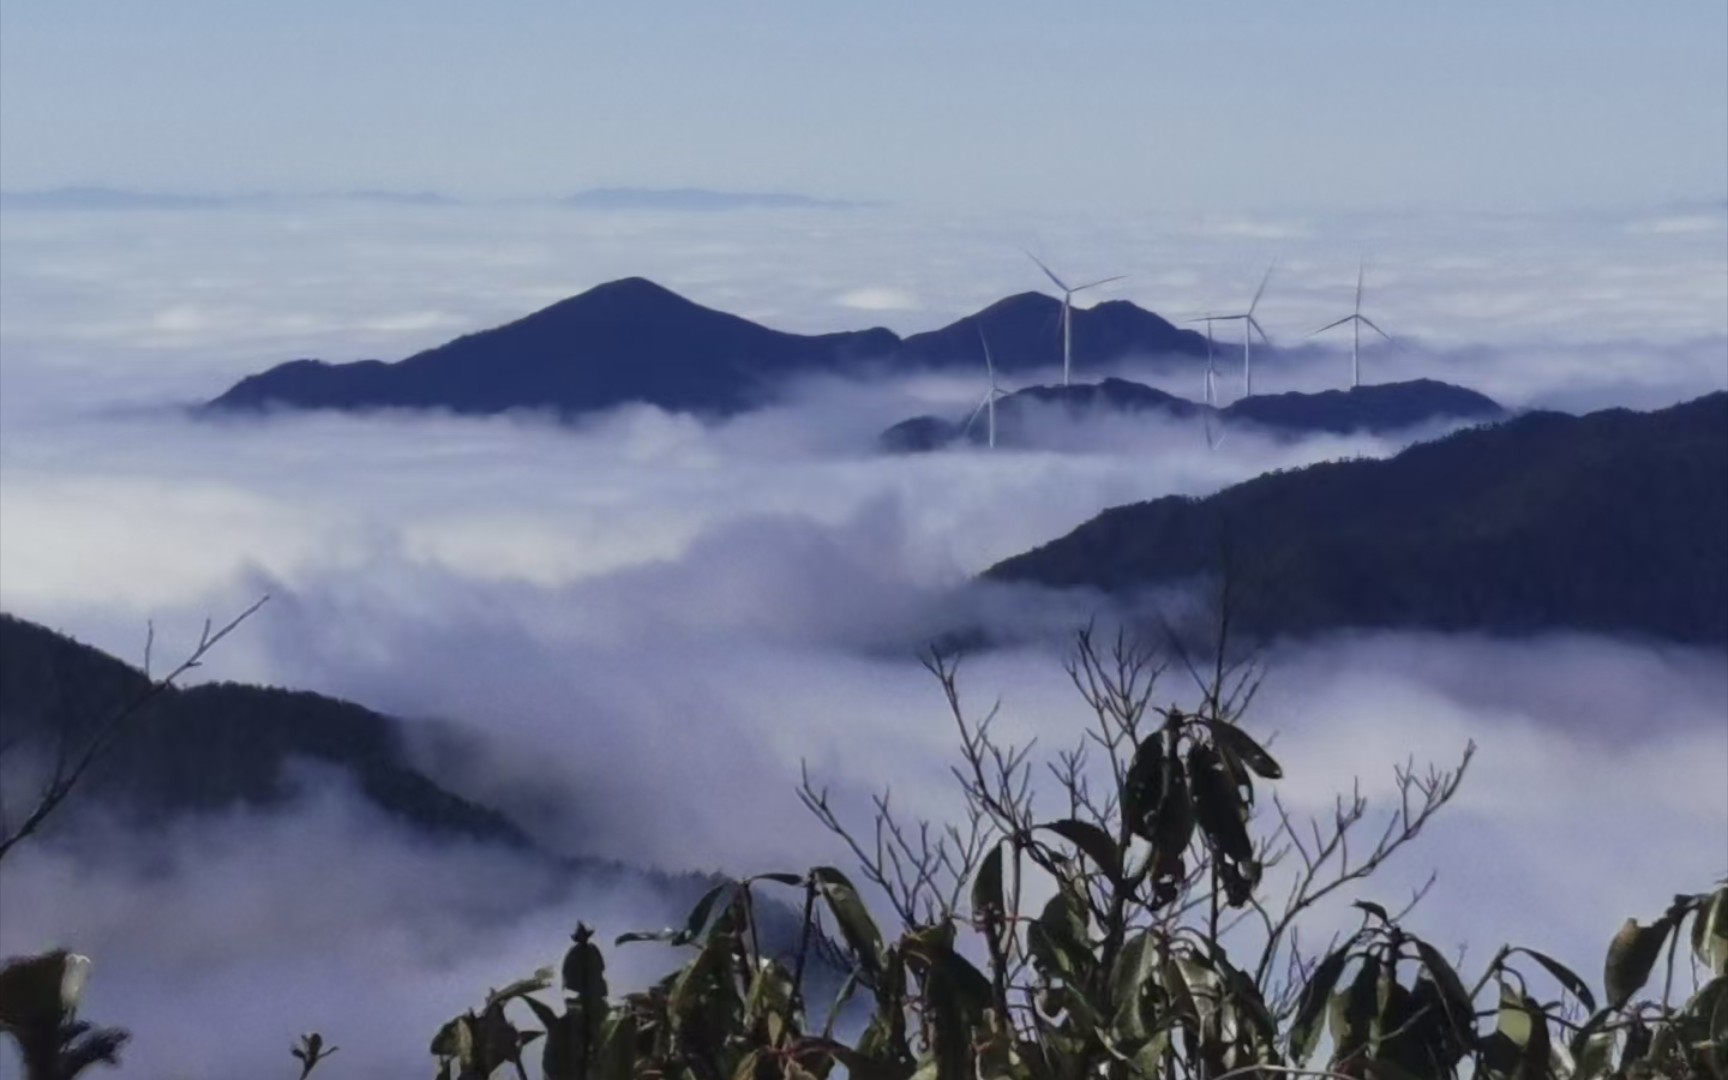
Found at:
<point>699,200</point>
<point>635,341</point>
<point>1614,522</point>
<point>1375,409</point>
<point>122,199</point>
<point>608,199</point>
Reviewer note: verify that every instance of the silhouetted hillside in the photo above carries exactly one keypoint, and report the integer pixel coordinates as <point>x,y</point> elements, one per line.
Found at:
<point>1016,412</point>
<point>215,746</point>
<point>1376,409</point>
<point>1024,332</point>
<point>700,200</point>
<point>1614,522</point>
<point>633,341</point>
<point>628,340</point>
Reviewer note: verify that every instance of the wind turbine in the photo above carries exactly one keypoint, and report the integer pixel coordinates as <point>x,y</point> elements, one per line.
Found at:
<point>1357,321</point>
<point>1210,397</point>
<point>1250,327</point>
<point>988,405</point>
<point>1068,311</point>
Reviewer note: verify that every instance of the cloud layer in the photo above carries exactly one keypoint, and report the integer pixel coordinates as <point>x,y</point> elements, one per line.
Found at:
<point>635,629</point>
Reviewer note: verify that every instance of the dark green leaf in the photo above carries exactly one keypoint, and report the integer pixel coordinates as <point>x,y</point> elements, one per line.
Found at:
<point>1218,804</point>
<point>1564,975</point>
<point>1710,932</point>
<point>1460,1009</point>
<point>1631,955</point>
<point>853,917</point>
<point>1305,1030</point>
<point>1251,753</point>
<point>521,988</point>
<point>698,918</point>
<point>1143,787</point>
<point>1354,1009</point>
<point>1134,965</point>
<point>1173,824</point>
<point>1592,1048</point>
<point>1093,841</point>
<point>781,879</point>
<point>987,902</point>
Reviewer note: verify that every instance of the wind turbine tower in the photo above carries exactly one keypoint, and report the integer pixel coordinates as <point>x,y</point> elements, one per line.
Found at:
<point>1068,312</point>
<point>1250,327</point>
<point>1210,397</point>
<point>1357,321</point>
<point>988,405</point>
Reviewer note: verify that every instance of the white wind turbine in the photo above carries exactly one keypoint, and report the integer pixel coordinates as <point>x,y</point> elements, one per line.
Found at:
<point>1357,321</point>
<point>988,405</point>
<point>1210,397</point>
<point>1068,311</point>
<point>1250,327</point>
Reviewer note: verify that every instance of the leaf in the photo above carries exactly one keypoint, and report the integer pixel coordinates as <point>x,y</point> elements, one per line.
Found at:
<point>1173,826</point>
<point>1710,932</point>
<point>1564,975</point>
<point>987,903</point>
<point>1218,804</point>
<point>521,988</point>
<point>1373,909</point>
<point>1460,1008</point>
<point>1592,1048</point>
<point>1093,841</point>
<point>558,1054</point>
<point>1353,1010</point>
<point>853,917</point>
<point>1631,955</point>
<point>956,994</point>
<point>1251,753</point>
<point>617,1059</point>
<point>780,879</point>
<point>1058,938</point>
<point>1305,1030</point>
<point>1143,787</point>
<point>697,921</point>
<point>1134,965</point>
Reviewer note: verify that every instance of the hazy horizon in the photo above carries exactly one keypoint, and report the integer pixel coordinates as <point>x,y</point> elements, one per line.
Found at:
<point>640,622</point>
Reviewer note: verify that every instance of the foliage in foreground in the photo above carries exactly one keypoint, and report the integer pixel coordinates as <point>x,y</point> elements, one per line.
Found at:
<point>1151,928</point>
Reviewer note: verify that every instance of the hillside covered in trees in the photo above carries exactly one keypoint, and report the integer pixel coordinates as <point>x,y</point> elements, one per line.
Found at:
<point>1613,522</point>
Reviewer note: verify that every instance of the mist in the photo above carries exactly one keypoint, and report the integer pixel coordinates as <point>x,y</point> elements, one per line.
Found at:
<point>631,632</point>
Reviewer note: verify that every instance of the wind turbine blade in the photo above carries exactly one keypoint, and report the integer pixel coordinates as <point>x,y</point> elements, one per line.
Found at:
<point>989,364</point>
<point>1370,323</point>
<point>1358,288</point>
<point>1261,291</point>
<point>1337,322</point>
<point>1100,281</point>
<point>973,419</point>
<point>1049,273</point>
<point>1254,324</point>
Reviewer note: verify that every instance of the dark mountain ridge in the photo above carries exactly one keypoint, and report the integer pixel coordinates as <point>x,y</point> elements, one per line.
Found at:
<point>1376,409</point>
<point>1614,522</point>
<point>635,341</point>
<point>215,746</point>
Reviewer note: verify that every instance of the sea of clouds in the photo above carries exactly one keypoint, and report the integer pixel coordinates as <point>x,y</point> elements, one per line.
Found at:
<point>637,627</point>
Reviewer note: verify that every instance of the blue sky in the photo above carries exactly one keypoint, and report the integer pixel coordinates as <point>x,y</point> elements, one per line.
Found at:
<point>1252,105</point>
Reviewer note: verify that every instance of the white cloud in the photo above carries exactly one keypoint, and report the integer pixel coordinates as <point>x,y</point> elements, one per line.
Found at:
<point>879,298</point>
<point>646,620</point>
